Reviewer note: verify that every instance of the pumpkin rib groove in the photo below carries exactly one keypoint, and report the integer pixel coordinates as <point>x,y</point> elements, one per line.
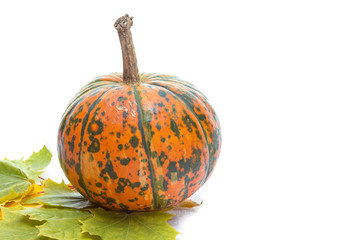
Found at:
<point>178,81</point>
<point>194,92</point>
<point>146,147</point>
<point>73,103</point>
<point>68,114</point>
<point>92,86</point>
<point>201,97</point>
<point>186,103</point>
<point>83,127</point>
<point>191,88</point>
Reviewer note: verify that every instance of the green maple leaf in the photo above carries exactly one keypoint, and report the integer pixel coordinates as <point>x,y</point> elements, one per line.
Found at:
<point>59,195</point>
<point>61,223</point>
<point>15,226</point>
<point>13,181</point>
<point>112,225</point>
<point>39,160</point>
<point>34,164</point>
<point>87,236</point>
<point>17,175</point>
<point>64,216</point>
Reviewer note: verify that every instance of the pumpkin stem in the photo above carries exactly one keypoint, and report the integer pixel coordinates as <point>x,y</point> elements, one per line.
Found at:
<point>130,68</point>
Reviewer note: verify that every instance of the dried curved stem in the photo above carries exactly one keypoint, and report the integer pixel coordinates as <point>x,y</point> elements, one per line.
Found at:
<point>130,68</point>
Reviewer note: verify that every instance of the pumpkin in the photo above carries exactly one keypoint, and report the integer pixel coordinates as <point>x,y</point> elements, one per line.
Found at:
<point>138,142</point>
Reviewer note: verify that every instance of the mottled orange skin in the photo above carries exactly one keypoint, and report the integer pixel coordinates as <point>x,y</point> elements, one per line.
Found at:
<point>140,147</point>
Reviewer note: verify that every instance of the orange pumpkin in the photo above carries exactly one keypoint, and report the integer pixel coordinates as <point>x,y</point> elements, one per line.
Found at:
<point>138,142</point>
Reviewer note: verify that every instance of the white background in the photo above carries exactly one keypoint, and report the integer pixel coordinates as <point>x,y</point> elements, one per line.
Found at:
<point>283,77</point>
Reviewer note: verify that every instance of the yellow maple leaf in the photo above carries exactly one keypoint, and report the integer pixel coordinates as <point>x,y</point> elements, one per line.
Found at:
<point>15,199</point>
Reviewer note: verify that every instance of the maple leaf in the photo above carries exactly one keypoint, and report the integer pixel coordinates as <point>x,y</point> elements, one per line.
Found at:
<point>112,225</point>
<point>60,195</point>
<point>39,160</point>
<point>56,211</point>
<point>87,236</point>
<point>61,223</point>
<point>15,226</point>
<point>26,197</point>
<point>13,181</point>
<point>30,198</point>
<point>18,177</point>
<point>188,204</point>
<point>34,165</point>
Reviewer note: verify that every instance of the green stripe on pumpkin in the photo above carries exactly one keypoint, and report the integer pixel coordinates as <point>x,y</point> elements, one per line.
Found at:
<point>146,143</point>
<point>83,127</point>
<point>190,108</point>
